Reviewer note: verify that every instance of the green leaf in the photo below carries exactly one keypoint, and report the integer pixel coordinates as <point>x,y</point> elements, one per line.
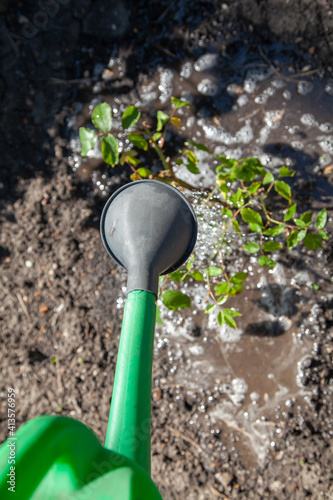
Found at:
<point>177,103</point>
<point>255,227</point>
<point>323,234</point>
<point>162,118</point>
<point>315,286</point>
<point>235,290</point>
<point>237,198</point>
<point>192,158</point>
<point>214,271</point>
<point>236,225</point>
<point>190,261</point>
<point>224,188</point>
<point>301,234</point>
<point>144,172</point>
<point>102,117</point>
<point>254,164</point>
<point>210,309</point>
<point>229,321</point>
<point>175,300</point>
<point>192,168</point>
<point>254,187</point>
<point>109,148</point>
<point>179,275</point>
<point>251,247</point>
<point>295,237</point>
<point>132,160</point>
<point>244,173</point>
<point>156,136</point>
<point>312,241</point>
<point>197,275</point>
<point>271,246</point>
<point>290,212</point>
<point>88,140</point>
<point>321,219</point>
<point>222,299</point>
<point>138,141</point>
<point>250,216</point>
<point>130,116</point>
<point>231,312</point>
<point>222,288</point>
<point>198,145</point>
<point>238,278</point>
<point>285,172</point>
<point>300,223</point>
<point>268,178</point>
<point>292,240</point>
<point>283,189</point>
<point>264,260</point>
<point>306,218</point>
<point>158,316</point>
<point>227,212</point>
<point>274,231</point>
<point>220,318</point>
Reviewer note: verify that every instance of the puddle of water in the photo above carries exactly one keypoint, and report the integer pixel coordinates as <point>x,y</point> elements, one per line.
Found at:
<point>250,370</point>
<point>234,378</point>
<point>238,377</point>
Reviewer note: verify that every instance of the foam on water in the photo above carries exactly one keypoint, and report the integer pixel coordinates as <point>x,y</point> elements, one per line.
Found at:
<point>304,88</point>
<point>207,87</point>
<point>205,62</point>
<point>326,144</point>
<point>218,134</point>
<point>329,87</point>
<point>186,70</point>
<point>165,86</point>
<point>254,76</point>
<point>309,120</point>
<point>148,94</point>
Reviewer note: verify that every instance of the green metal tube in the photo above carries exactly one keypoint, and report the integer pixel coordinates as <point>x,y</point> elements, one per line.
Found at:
<point>129,426</point>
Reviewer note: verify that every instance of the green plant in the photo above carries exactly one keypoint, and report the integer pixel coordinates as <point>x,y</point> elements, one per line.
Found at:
<point>244,191</point>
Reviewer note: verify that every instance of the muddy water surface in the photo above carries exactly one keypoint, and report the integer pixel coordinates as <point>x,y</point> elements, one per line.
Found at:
<point>239,384</point>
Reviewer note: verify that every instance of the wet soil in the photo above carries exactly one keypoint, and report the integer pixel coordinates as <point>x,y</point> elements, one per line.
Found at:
<point>236,414</point>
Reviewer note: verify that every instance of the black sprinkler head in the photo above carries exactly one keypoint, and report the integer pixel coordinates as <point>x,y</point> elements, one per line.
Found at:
<point>149,228</point>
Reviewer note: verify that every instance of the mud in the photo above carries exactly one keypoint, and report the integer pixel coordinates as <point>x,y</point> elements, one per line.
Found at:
<point>236,414</point>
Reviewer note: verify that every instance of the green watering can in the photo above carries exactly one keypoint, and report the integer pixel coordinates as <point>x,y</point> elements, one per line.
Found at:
<point>149,228</point>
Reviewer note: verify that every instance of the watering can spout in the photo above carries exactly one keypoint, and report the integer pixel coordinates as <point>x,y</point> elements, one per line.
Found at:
<point>142,277</point>
<point>149,228</point>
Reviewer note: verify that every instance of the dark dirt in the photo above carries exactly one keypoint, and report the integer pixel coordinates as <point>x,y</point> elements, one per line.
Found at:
<point>59,318</point>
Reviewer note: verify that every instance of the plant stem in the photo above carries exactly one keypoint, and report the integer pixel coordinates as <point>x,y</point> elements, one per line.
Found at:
<point>133,168</point>
<point>167,164</point>
<point>157,148</point>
